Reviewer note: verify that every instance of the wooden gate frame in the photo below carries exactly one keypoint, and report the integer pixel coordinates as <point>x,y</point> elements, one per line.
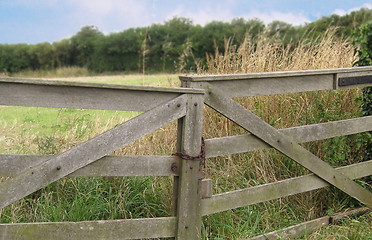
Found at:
<point>160,106</point>
<point>220,91</point>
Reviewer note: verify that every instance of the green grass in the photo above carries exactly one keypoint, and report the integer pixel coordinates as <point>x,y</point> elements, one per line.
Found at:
<point>36,125</point>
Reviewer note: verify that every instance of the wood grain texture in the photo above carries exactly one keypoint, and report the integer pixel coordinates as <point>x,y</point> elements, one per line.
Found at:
<point>43,93</point>
<point>108,166</point>
<point>189,218</point>
<point>268,83</point>
<point>92,230</point>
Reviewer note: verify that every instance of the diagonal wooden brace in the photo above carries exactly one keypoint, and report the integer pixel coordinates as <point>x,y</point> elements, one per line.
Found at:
<point>90,151</point>
<point>268,134</point>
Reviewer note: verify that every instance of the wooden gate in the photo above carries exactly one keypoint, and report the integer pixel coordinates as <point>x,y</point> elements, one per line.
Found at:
<point>160,106</point>
<point>220,91</point>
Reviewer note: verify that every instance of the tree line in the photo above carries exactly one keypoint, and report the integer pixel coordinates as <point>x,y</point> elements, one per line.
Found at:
<point>173,46</point>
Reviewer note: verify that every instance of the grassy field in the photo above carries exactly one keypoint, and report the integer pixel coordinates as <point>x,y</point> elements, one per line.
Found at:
<point>50,131</point>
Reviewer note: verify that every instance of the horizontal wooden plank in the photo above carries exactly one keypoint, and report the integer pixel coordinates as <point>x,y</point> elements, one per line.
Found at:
<point>262,193</point>
<point>295,231</point>
<point>258,84</point>
<point>92,230</point>
<point>90,151</point>
<point>279,74</point>
<point>248,142</point>
<point>31,81</point>
<point>271,86</point>
<point>85,96</point>
<point>108,166</point>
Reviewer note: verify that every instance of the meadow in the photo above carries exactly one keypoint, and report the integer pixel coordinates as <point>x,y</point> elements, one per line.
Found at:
<point>26,130</point>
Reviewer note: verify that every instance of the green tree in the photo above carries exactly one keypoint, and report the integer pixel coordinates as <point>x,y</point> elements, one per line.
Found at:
<point>63,53</point>
<point>84,45</point>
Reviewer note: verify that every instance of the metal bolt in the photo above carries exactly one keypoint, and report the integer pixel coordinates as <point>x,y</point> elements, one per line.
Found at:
<point>174,167</point>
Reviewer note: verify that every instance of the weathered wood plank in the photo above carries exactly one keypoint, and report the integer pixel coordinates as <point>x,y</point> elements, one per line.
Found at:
<point>88,152</point>
<point>353,71</point>
<point>257,84</point>
<point>189,218</point>
<point>31,81</point>
<point>270,191</point>
<point>253,124</point>
<point>92,230</point>
<point>296,231</point>
<point>42,93</point>
<point>271,86</point>
<point>108,166</point>
<point>206,188</point>
<point>248,142</point>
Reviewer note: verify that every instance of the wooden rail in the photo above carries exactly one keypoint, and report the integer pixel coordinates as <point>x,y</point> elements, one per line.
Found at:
<point>160,106</point>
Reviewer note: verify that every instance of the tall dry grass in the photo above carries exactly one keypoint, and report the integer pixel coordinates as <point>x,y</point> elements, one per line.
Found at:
<point>281,111</point>
<point>265,54</point>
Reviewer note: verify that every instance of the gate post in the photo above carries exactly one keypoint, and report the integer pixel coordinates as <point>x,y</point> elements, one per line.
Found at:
<point>187,185</point>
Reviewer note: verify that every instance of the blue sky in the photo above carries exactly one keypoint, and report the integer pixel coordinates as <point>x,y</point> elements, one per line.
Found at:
<point>33,21</point>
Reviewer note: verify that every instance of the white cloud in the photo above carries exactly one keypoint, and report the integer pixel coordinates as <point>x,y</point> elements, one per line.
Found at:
<point>202,16</point>
<point>111,15</point>
<point>288,17</point>
<point>342,12</point>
